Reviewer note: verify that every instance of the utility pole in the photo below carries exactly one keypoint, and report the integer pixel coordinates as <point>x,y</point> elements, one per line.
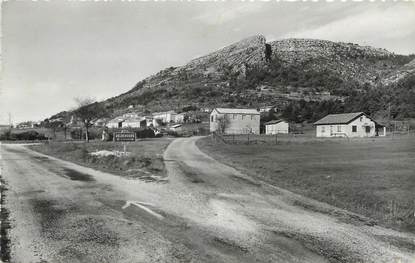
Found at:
<point>389,115</point>
<point>10,120</point>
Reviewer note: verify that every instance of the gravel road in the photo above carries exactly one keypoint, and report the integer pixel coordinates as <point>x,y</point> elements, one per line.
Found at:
<point>204,212</point>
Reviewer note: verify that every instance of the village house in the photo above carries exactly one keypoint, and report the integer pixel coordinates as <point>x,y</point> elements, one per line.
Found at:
<point>100,122</point>
<point>266,109</point>
<point>356,124</point>
<point>276,126</point>
<point>179,118</point>
<point>134,122</point>
<point>115,123</point>
<point>234,121</point>
<point>25,125</point>
<point>165,117</point>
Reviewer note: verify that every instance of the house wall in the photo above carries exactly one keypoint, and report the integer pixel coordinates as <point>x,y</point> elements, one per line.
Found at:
<point>165,117</point>
<point>235,123</point>
<point>179,118</point>
<point>131,124</point>
<point>343,130</point>
<point>281,127</point>
<point>112,124</point>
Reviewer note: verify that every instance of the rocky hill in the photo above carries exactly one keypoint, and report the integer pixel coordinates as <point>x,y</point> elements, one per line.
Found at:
<point>254,73</point>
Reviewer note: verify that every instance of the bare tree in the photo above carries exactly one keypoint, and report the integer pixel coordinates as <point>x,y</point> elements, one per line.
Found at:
<point>223,122</point>
<point>88,110</point>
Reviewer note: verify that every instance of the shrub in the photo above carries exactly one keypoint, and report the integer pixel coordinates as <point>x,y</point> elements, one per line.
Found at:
<point>146,133</point>
<point>24,136</point>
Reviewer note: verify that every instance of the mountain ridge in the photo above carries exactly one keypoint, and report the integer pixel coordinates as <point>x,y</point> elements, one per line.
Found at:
<point>237,75</point>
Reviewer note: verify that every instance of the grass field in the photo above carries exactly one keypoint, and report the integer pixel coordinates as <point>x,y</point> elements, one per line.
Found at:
<point>373,177</point>
<point>145,160</point>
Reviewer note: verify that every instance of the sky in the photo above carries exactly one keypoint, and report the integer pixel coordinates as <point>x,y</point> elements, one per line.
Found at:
<point>53,52</point>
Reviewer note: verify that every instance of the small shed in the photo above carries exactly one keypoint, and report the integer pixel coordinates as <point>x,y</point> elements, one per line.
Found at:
<point>276,126</point>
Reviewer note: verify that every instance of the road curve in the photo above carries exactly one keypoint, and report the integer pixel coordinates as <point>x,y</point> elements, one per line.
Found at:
<point>204,212</point>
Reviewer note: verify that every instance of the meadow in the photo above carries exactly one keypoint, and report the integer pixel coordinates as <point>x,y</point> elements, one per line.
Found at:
<point>374,177</point>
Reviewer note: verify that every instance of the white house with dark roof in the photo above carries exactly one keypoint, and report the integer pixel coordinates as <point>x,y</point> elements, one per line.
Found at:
<point>115,123</point>
<point>234,121</point>
<point>276,126</point>
<point>166,116</point>
<point>134,122</point>
<point>356,124</point>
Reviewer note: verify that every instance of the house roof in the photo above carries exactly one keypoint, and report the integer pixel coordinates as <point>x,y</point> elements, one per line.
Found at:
<point>164,112</point>
<point>237,111</point>
<point>273,122</point>
<point>134,119</point>
<point>343,118</point>
<point>116,120</point>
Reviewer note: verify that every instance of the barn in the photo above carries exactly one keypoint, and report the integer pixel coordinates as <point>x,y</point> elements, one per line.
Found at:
<point>355,124</point>
<point>276,126</point>
<point>234,121</point>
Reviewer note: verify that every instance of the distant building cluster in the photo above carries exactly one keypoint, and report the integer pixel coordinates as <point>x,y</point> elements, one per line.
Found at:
<point>247,121</point>
<point>139,120</point>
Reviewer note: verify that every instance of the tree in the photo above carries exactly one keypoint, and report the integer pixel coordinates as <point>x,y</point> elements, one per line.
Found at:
<point>88,110</point>
<point>54,126</point>
<point>223,122</point>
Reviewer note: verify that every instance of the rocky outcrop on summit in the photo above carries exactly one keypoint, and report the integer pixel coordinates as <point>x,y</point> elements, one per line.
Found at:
<point>350,61</point>
<point>232,59</point>
<point>249,51</point>
<point>291,50</point>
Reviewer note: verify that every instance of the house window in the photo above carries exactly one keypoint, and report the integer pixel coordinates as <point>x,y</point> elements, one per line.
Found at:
<point>354,128</point>
<point>361,118</point>
<point>367,129</point>
<point>339,128</point>
<point>211,118</point>
<point>242,116</point>
<point>323,128</point>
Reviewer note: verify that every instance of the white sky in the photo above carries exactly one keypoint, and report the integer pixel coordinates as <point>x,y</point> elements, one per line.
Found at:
<point>55,51</point>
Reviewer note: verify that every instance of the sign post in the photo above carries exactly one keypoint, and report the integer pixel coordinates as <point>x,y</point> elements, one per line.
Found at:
<point>124,137</point>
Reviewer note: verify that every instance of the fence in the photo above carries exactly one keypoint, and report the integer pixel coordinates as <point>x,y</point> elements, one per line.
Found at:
<point>297,138</point>
<point>260,139</point>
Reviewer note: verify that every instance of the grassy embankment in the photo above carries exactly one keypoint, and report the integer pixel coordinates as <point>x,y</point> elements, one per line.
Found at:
<point>372,177</point>
<point>145,160</point>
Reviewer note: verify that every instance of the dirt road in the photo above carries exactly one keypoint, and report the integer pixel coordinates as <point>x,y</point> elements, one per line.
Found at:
<point>204,212</point>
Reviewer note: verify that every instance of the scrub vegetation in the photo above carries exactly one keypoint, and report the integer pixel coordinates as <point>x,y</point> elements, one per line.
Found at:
<point>144,161</point>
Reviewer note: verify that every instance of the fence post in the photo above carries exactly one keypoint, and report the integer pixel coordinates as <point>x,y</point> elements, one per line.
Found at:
<point>276,138</point>
<point>248,138</point>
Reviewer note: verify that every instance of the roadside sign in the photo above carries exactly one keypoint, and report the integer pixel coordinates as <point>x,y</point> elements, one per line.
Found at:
<point>124,136</point>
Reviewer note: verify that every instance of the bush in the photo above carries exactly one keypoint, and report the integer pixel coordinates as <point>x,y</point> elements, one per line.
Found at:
<point>24,136</point>
<point>76,134</point>
<point>146,133</point>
